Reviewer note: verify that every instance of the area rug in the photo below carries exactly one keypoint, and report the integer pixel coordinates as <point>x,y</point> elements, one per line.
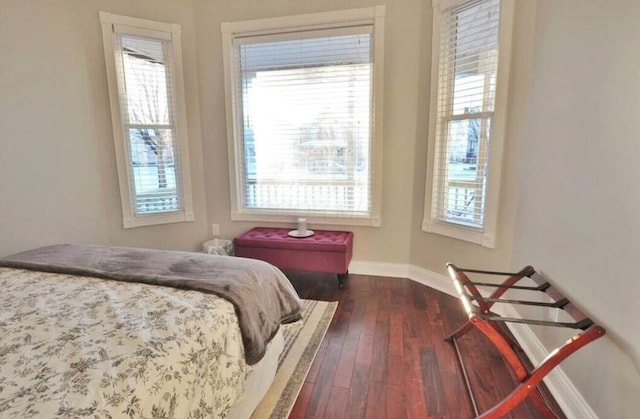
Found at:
<point>302,340</point>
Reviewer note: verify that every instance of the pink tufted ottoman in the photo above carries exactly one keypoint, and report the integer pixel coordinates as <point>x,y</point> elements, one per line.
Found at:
<point>325,251</point>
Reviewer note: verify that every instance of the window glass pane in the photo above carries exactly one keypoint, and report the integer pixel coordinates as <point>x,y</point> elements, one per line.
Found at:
<point>146,95</point>
<point>306,109</point>
<point>154,170</point>
<point>145,73</point>
<point>465,170</point>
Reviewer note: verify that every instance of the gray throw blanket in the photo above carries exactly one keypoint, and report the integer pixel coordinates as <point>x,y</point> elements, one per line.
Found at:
<point>262,296</point>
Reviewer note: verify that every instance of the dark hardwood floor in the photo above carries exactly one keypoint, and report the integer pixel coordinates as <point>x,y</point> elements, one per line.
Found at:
<point>384,355</point>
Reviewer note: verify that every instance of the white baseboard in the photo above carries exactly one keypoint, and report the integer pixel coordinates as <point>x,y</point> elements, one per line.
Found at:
<point>432,280</point>
<point>563,390</point>
<point>399,270</point>
<point>393,270</point>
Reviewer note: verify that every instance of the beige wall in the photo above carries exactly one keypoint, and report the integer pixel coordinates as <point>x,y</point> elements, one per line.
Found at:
<point>58,180</point>
<point>578,217</point>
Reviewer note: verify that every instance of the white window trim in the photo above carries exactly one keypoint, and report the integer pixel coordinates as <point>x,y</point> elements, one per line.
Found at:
<point>157,30</point>
<point>482,236</point>
<point>371,15</point>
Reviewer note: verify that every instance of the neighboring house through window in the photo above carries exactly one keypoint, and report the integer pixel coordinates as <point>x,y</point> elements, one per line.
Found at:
<point>470,74</point>
<point>304,116</point>
<point>146,90</point>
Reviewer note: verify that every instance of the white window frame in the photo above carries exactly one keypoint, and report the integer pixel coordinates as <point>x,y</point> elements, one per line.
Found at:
<point>154,30</point>
<point>299,23</point>
<point>484,236</point>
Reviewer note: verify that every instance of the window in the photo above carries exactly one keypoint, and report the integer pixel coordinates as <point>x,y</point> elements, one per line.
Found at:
<point>304,116</point>
<point>470,60</point>
<point>146,91</point>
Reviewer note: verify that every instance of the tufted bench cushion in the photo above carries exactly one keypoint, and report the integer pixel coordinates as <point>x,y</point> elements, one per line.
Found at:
<point>325,251</point>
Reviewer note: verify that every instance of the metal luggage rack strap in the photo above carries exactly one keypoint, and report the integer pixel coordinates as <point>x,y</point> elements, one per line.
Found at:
<point>478,309</point>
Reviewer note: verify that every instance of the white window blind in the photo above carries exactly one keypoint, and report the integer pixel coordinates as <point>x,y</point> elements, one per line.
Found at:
<point>304,116</point>
<point>146,91</point>
<point>466,92</point>
<point>306,122</point>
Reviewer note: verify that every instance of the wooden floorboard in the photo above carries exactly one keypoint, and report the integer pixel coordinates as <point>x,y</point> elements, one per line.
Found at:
<point>384,355</point>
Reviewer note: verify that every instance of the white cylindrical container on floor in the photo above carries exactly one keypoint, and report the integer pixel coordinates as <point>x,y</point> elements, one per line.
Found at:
<point>218,247</point>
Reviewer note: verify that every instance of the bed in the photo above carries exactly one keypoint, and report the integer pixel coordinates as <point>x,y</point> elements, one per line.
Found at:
<point>119,332</point>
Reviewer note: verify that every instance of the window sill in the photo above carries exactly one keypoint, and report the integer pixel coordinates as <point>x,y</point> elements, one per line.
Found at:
<point>460,232</point>
<point>155,219</point>
<point>312,218</point>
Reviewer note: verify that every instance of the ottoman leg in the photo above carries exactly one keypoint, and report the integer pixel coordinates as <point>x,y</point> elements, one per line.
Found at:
<point>342,278</point>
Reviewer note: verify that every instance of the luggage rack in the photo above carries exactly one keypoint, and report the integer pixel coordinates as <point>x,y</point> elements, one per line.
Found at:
<point>478,309</point>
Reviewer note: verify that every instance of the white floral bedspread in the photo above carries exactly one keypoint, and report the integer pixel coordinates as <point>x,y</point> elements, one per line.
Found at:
<point>76,346</point>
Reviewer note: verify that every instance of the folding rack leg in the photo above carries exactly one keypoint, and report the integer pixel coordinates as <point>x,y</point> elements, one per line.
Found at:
<point>549,363</point>
<point>502,345</point>
<point>499,339</point>
<point>505,348</point>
